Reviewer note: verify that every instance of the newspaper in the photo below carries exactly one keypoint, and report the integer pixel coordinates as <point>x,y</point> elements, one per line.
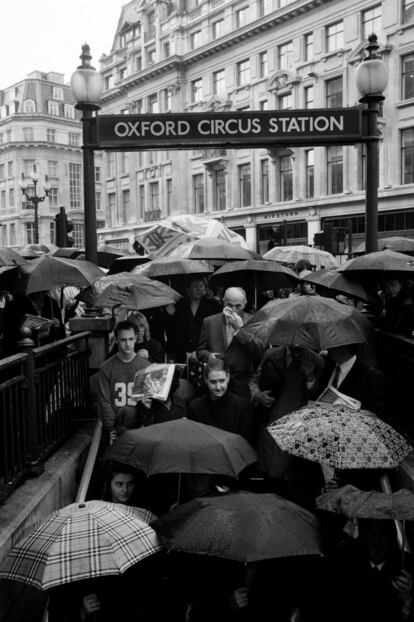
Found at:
<point>37,323</point>
<point>153,382</point>
<point>331,395</point>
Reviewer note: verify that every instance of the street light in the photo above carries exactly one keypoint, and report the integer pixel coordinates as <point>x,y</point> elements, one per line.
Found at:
<point>86,85</point>
<point>371,81</point>
<point>34,198</point>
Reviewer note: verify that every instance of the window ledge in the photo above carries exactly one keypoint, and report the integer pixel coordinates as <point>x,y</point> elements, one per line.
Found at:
<point>404,103</point>
<point>339,52</point>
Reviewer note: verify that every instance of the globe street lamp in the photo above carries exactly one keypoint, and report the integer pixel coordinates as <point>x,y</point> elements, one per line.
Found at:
<point>34,198</point>
<point>86,85</point>
<point>371,81</point>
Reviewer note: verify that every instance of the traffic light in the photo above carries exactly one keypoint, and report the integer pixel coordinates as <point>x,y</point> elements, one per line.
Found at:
<point>318,239</point>
<point>63,228</point>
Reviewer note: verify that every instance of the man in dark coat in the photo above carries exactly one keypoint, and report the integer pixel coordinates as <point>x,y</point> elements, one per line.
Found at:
<point>189,315</point>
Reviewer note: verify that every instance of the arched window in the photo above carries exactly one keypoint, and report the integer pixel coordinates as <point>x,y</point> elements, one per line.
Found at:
<point>29,106</point>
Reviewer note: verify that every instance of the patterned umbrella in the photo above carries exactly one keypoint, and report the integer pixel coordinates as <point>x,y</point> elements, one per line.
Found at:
<point>308,321</point>
<point>241,526</point>
<point>292,254</point>
<point>354,503</point>
<point>341,437</point>
<point>82,541</point>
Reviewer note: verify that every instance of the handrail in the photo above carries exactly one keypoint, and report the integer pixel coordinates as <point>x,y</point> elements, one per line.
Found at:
<point>90,463</point>
<point>61,342</point>
<point>12,360</point>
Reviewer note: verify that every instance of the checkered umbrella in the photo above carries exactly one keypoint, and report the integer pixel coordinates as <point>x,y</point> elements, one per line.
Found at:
<point>341,437</point>
<point>82,541</point>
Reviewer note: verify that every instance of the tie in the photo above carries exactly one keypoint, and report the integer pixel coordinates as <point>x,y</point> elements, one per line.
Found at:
<point>336,376</point>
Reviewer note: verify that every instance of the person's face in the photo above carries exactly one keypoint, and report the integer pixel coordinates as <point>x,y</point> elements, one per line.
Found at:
<point>217,382</point>
<point>126,341</point>
<point>140,332</point>
<point>235,302</point>
<point>170,309</point>
<point>392,288</point>
<point>308,289</point>
<point>196,290</point>
<point>122,487</point>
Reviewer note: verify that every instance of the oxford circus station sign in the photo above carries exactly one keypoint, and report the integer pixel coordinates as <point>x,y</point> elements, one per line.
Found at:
<point>342,125</point>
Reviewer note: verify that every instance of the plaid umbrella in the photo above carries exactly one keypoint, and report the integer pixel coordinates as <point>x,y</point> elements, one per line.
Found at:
<point>354,503</point>
<point>341,437</point>
<point>292,254</point>
<point>241,526</point>
<point>183,446</point>
<point>82,541</point>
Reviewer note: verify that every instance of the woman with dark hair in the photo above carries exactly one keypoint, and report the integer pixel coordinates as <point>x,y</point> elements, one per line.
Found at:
<point>120,484</point>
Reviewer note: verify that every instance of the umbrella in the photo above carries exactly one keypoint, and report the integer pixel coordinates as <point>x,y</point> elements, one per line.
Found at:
<point>125,264</point>
<point>10,257</point>
<point>69,252</point>
<point>380,264</point>
<point>172,266</point>
<point>354,503</point>
<point>340,437</point>
<point>47,273</point>
<point>397,243</point>
<point>292,254</point>
<point>241,526</point>
<point>183,446</point>
<point>139,293</point>
<point>107,254</point>
<point>82,541</point>
<point>309,322</point>
<point>341,283</point>
<point>211,249</point>
<point>37,249</point>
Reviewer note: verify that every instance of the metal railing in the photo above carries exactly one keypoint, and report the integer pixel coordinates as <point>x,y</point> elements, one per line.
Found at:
<point>43,391</point>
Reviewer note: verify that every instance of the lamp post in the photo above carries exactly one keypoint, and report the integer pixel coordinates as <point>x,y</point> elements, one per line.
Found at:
<point>34,198</point>
<point>371,80</point>
<point>86,85</point>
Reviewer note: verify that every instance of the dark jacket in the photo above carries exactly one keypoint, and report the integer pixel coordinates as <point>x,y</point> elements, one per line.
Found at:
<point>213,337</point>
<point>399,315</point>
<point>188,326</point>
<point>230,412</point>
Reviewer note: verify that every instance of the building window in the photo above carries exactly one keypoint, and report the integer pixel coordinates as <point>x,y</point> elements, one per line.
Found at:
<point>309,97</point>
<point>310,173</point>
<point>111,206</point>
<point>167,100</point>
<point>151,56</point>
<point>198,193</point>
<point>52,168</point>
<point>219,189</point>
<point>138,62</point>
<point>30,229</point>
<point>264,181</point>
<point>2,169</point>
<point>264,104</point>
<point>371,21</point>
<point>243,72</point>
<point>28,135</point>
<point>263,62</point>
<point>408,11</point>
<point>125,203</point>
<point>12,234</point>
<point>1,139</point>
<point>98,201</point>
<point>196,91</point>
<point>108,82</point>
<point>141,197</point>
<point>195,39</point>
<point>11,197</point>
<point>69,111</point>
<point>53,108</point>
<point>362,167</point>
<point>219,82</point>
<point>334,93</point>
<point>335,170</point>
<point>57,92</point>
<point>217,28</point>
<point>52,232</point>
<point>166,49</point>
<point>78,236</point>
<point>74,185</point>
<point>242,17</point>
<point>168,196</point>
<point>408,76</point>
<point>154,196</point>
<point>74,139</point>
<point>286,178</point>
<point>50,136</point>
<point>3,199</point>
<point>153,107</point>
<point>98,174</point>
<point>285,101</point>
<point>10,169</point>
<point>285,55</point>
<point>137,107</point>
<point>121,73</point>
<point>335,37</point>
<point>244,185</point>
<point>29,106</point>
<point>407,156</point>
<point>308,46</point>
<point>261,8</point>
<point>53,197</point>
<point>151,25</point>
<point>28,166</point>
<point>9,136</point>
<point>111,164</point>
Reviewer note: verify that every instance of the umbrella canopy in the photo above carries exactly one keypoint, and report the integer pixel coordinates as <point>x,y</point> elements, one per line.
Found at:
<point>309,322</point>
<point>268,272</point>
<point>172,266</point>
<point>241,526</point>
<point>341,437</point>
<point>47,273</point>
<point>37,249</point>
<point>397,243</point>
<point>211,249</point>
<point>292,254</point>
<point>125,264</point>
<point>82,541</point>
<point>142,293</point>
<point>69,252</point>
<point>10,257</point>
<point>381,264</point>
<point>183,446</point>
<point>341,283</point>
<point>354,503</point>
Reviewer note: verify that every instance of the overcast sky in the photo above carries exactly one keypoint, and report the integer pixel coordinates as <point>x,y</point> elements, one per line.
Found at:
<point>47,35</point>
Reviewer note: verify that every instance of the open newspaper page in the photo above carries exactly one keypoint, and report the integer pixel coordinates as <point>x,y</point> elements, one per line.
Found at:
<point>331,395</point>
<point>153,382</point>
<point>37,323</point>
